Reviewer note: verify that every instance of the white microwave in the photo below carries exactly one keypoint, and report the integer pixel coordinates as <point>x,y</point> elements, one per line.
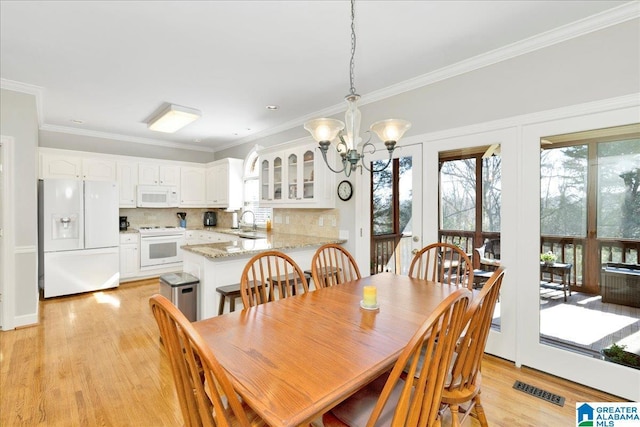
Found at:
<point>157,196</point>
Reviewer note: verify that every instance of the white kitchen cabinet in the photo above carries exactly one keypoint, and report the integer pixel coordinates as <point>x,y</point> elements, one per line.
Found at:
<point>157,174</point>
<point>198,237</point>
<point>271,176</point>
<point>57,166</point>
<point>64,166</point>
<point>192,190</point>
<point>127,177</point>
<point>129,255</point>
<point>98,169</point>
<point>192,237</point>
<point>296,177</point>
<point>214,237</point>
<point>224,187</point>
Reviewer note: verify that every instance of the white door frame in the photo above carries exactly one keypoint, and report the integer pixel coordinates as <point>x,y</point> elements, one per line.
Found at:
<point>7,248</point>
<point>609,377</point>
<point>500,343</point>
<point>411,147</point>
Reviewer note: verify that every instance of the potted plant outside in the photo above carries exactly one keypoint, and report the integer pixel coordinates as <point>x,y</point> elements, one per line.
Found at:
<point>548,258</point>
<point>617,354</point>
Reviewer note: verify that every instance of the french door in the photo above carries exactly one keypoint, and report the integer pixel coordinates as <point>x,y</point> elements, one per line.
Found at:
<point>390,210</point>
<point>590,230</point>
<point>496,221</point>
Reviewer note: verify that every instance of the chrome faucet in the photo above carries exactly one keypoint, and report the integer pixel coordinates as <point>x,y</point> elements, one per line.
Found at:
<point>255,227</point>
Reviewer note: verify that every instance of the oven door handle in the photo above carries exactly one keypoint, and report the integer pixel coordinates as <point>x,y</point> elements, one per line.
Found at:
<point>156,238</point>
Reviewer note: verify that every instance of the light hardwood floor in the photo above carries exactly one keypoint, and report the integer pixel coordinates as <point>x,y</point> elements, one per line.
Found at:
<point>94,360</point>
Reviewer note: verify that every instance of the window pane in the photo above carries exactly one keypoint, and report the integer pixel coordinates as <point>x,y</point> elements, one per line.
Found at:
<point>405,194</point>
<point>458,194</point>
<point>251,198</point>
<point>563,191</point>
<point>619,189</point>
<point>491,190</point>
<point>382,190</point>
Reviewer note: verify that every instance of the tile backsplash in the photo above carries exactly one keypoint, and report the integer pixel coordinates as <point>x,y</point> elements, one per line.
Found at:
<point>307,222</point>
<point>293,221</point>
<point>147,217</point>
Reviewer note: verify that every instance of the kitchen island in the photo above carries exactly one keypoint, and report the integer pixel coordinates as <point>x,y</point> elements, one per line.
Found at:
<point>221,264</point>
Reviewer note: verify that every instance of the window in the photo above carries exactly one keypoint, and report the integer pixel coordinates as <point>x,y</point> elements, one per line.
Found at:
<point>252,190</point>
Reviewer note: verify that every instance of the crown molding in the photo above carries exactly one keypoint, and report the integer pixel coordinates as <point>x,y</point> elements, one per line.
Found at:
<point>561,113</point>
<point>618,15</point>
<point>125,138</point>
<point>26,88</point>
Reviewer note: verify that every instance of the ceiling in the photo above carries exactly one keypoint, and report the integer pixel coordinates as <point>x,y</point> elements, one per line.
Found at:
<point>103,67</point>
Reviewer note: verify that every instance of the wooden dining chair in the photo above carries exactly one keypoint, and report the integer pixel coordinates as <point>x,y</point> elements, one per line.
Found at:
<point>463,383</point>
<point>390,400</point>
<point>331,265</point>
<point>206,395</point>
<point>269,276</point>
<point>444,263</point>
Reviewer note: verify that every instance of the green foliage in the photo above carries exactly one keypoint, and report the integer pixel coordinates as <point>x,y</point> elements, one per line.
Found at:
<point>617,353</point>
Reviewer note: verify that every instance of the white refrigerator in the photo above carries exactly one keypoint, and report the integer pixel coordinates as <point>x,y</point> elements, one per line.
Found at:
<point>78,236</point>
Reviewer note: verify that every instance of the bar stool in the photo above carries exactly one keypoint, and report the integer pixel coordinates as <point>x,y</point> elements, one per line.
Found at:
<point>230,291</point>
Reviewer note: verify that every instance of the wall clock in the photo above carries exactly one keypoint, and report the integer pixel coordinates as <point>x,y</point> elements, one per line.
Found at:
<point>345,190</point>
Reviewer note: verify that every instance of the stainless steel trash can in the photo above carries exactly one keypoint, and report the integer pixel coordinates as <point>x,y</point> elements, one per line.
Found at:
<point>182,290</point>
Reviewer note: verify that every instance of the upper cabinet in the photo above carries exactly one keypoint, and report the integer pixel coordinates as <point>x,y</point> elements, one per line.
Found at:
<point>158,174</point>
<point>224,187</point>
<point>295,177</point>
<point>127,177</point>
<point>216,184</point>
<point>192,192</point>
<point>62,166</point>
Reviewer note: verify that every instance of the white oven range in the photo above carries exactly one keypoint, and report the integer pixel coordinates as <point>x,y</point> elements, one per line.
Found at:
<point>160,247</point>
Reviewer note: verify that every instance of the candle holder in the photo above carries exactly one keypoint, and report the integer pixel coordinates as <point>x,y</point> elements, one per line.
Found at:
<point>369,298</point>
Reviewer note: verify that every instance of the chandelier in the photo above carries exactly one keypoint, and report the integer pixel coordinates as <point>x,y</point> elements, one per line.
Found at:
<point>345,135</point>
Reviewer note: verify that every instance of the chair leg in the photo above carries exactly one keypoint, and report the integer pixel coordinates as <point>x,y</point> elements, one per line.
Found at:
<point>455,421</point>
<point>479,411</point>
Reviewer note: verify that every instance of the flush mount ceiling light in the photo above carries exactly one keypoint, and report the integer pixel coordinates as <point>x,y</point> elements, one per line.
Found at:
<point>327,130</point>
<point>173,118</point>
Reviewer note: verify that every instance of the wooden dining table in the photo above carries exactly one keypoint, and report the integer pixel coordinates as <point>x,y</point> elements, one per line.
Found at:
<point>294,359</point>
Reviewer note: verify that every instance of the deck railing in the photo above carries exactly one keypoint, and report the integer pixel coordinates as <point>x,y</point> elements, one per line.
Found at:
<point>391,252</point>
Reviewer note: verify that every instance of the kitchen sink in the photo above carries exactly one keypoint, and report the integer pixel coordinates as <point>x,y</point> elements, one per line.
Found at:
<point>251,235</point>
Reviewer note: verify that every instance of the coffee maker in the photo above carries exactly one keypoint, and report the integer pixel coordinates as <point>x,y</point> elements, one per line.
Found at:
<point>123,223</point>
<point>210,219</point>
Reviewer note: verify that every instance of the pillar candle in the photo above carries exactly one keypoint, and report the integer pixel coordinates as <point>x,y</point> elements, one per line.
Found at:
<point>370,297</point>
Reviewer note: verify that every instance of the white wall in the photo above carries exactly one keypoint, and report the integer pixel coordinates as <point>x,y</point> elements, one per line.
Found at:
<point>18,119</point>
<point>599,65</point>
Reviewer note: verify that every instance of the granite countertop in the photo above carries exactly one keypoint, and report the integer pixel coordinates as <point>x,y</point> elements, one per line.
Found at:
<point>130,231</point>
<point>237,246</point>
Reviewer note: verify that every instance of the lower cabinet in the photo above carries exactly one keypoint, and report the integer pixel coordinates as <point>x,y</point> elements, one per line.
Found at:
<point>129,256</point>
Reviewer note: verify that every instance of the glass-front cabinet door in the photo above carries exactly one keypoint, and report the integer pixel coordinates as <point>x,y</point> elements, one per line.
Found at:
<point>277,179</point>
<point>295,177</point>
<point>292,178</point>
<point>308,172</point>
<point>271,179</point>
<point>265,180</point>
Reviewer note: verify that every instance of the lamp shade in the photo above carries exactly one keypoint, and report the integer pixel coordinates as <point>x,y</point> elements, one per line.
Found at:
<point>173,118</point>
<point>390,129</point>
<point>324,129</point>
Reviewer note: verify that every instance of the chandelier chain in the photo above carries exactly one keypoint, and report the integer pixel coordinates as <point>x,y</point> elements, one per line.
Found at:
<point>353,48</point>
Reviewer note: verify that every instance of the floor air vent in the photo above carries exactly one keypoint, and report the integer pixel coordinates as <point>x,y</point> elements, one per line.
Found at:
<point>538,392</point>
